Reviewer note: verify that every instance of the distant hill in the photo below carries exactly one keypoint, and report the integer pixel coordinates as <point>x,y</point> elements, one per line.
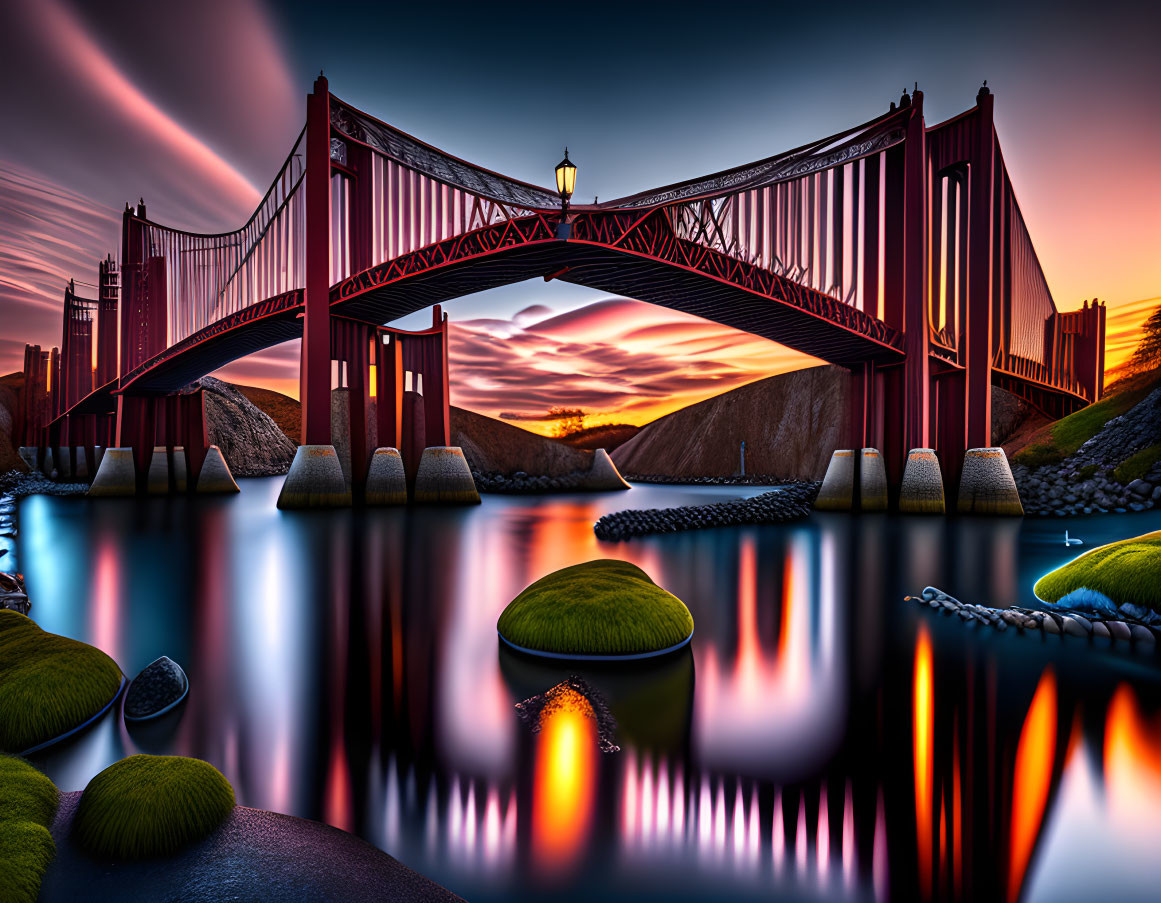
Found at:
<point>282,409</point>
<point>497,447</point>
<point>790,422</point>
<point>607,436</point>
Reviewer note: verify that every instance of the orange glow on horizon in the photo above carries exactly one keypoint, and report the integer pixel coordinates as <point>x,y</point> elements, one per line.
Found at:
<point>1033,775</point>
<point>564,782</point>
<point>923,730</point>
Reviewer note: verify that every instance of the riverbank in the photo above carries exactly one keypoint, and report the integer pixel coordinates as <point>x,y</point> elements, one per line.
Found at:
<point>255,855</point>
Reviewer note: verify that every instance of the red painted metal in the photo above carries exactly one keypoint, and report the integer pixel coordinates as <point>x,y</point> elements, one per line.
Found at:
<point>894,249</point>
<point>316,339</point>
<point>978,335</point>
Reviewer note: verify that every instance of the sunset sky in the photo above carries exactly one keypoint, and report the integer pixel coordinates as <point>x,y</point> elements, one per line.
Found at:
<point>194,106</point>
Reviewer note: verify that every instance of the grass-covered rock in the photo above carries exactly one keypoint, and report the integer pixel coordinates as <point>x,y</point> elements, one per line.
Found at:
<point>604,608</point>
<point>49,684</point>
<point>28,802</point>
<point>1127,572</point>
<point>146,806</point>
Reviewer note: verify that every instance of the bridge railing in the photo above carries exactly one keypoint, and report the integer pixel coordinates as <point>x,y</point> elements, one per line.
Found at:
<point>211,276</point>
<point>812,215</point>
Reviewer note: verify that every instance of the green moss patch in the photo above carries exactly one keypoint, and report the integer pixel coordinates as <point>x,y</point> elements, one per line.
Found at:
<point>146,806</point>
<point>28,802</point>
<point>1128,571</point>
<point>1069,433</point>
<point>600,609</point>
<point>51,684</point>
<point>1136,466</point>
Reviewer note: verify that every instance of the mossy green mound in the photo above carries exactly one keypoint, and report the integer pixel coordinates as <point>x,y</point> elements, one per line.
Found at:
<point>51,684</point>
<point>146,806</point>
<point>28,802</point>
<point>1128,571</point>
<point>601,609</point>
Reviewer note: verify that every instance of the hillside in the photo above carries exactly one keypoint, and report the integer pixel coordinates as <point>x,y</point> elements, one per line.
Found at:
<point>285,411</point>
<point>492,446</point>
<point>791,423</point>
<point>607,436</point>
<point>10,387</point>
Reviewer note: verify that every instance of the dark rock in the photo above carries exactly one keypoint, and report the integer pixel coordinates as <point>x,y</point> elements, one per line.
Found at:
<point>157,689</point>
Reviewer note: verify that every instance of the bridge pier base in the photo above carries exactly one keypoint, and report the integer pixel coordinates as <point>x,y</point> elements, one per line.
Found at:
<point>315,480</point>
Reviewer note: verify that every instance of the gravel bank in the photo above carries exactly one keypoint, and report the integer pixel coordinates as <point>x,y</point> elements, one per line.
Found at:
<point>788,503</point>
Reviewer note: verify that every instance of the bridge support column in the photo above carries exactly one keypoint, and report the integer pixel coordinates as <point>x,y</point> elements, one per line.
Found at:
<point>951,432</point>
<point>175,423</point>
<point>315,370</point>
<point>978,332</point>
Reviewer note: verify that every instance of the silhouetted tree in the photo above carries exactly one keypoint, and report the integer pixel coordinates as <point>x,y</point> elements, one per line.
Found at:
<point>568,421</point>
<point>1148,352</point>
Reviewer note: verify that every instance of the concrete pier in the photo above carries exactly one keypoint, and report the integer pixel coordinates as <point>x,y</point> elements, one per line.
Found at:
<point>838,486</point>
<point>215,477</point>
<point>157,482</point>
<point>116,476</point>
<point>444,478</point>
<point>62,463</point>
<point>603,475</point>
<point>872,481</point>
<point>922,488</point>
<point>986,486</point>
<point>316,480</point>
<point>386,479</point>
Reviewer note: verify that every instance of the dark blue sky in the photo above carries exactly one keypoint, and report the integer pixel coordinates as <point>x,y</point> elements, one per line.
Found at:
<point>194,107</point>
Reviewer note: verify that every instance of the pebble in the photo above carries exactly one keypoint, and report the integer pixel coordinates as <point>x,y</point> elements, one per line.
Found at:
<point>1100,630</point>
<point>1119,630</point>
<point>1073,627</point>
<point>1142,634</point>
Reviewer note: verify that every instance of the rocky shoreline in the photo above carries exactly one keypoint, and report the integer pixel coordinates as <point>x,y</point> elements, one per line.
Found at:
<point>791,502</point>
<point>1129,629</point>
<point>734,480</point>
<point>1085,482</point>
<point>520,482</point>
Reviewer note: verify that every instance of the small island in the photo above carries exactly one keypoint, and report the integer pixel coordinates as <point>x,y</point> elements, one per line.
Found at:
<point>600,610</point>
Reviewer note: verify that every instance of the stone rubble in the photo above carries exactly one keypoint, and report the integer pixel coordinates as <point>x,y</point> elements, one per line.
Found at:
<point>788,503</point>
<point>1084,484</point>
<point>1137,626</point>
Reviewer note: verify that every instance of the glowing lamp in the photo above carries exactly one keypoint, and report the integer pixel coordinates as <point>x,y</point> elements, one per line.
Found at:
<point>565,178</point>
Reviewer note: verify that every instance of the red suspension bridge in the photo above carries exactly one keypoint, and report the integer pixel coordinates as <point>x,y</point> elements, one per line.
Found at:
<point>893,249</point>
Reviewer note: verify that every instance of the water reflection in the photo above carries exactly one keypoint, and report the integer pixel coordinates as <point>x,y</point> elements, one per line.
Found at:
<point>819,737</point>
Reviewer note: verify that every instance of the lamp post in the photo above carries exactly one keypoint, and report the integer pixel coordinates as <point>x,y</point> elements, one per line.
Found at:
<point>565,181</point>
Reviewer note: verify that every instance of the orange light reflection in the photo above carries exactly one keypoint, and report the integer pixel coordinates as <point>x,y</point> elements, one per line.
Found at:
<point>1034,757</point>
<point>564,781</point>
<point>922,728</point>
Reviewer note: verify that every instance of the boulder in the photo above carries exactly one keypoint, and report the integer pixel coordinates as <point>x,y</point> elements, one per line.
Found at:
<point>159,688</point>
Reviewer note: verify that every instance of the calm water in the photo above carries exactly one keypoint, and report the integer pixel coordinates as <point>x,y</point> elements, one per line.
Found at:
<point>821,738</point>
